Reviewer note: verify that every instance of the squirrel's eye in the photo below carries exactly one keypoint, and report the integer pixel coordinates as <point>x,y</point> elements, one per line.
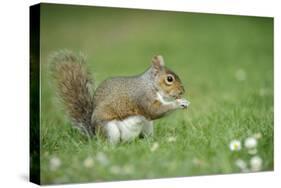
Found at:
<point>169,79</point>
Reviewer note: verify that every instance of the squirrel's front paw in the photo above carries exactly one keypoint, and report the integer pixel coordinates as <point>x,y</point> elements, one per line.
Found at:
<point>183,103</point>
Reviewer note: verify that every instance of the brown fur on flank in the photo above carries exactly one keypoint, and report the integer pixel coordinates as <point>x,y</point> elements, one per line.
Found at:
<point>121,97</point>
<point>74,87</point>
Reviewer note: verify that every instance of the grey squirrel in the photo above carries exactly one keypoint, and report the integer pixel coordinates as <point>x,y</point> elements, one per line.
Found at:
<point>121,108</point>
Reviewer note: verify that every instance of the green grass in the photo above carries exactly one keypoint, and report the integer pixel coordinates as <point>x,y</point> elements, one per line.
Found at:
<point>225,63</point>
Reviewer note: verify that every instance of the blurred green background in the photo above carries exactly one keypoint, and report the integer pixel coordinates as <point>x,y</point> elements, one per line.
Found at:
<point>225,63</point>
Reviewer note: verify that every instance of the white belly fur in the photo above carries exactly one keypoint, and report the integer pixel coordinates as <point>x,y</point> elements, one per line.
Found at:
<point>127,129</point>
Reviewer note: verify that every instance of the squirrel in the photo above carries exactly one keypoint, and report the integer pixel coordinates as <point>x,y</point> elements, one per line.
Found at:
<point>121,108</point>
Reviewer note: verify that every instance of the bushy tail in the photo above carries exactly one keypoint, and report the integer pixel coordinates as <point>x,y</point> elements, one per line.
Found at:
<point>74,87</point>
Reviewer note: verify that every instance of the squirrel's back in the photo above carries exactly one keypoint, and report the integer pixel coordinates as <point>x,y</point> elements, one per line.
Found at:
<point>118,97</point>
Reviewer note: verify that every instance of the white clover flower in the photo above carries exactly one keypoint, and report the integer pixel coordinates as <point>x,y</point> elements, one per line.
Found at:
<point>55,163</point>
<point>242,165</point>
<point>154,147</point>
<point>102,158</point>
<point>115,169</point>
<point>246,170</point>
<point>250,143</point>
<point>256,163</point>
<point>198,162</point>
<point>240,75</point>
<point>88,162</point>
<point>257,135</point>
<point>171,139</point>
<point>235,145</point>
<point>128,169</point>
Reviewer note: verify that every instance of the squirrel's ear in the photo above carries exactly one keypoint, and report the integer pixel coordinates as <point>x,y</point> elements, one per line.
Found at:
<point>158,62</point>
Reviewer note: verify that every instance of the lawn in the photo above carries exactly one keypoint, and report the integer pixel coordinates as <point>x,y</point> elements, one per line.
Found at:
<point>226,66</point>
